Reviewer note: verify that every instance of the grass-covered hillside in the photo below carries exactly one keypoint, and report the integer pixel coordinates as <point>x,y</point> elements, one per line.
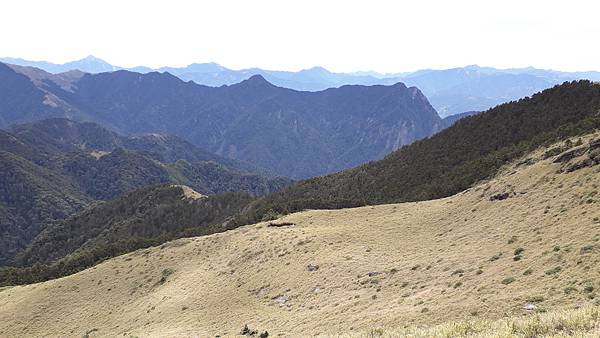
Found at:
<point>522,244</point>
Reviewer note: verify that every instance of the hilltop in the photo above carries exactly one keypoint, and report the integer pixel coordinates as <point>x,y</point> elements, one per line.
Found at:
<point>522,242</point>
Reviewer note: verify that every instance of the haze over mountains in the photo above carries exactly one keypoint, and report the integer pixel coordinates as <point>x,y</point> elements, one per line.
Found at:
<point>290,133</point>
<point>450,91</point>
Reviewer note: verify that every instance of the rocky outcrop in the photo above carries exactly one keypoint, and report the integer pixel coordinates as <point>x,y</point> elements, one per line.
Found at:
<point>580,157</point>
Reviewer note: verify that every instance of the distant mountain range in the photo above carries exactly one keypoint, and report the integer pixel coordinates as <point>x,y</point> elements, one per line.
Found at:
<point>450,91</point>
<point>290,133</point>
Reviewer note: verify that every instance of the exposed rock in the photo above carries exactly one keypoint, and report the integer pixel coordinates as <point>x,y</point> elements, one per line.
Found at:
<point>588,162</point>
<point>567,158</point>
<point>312,267</point>
<point>529,307</point>
<point>595,144</point>
<point>570,154</point>
<point>281,224</point>
<point>500,196</point>
<point>526,162</point>
<point>281,300</point>
<point>247,331</point>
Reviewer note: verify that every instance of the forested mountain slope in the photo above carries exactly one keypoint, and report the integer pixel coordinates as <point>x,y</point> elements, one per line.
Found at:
<point>53,168</point>
<point>451,161</point>
<point>142,218</point>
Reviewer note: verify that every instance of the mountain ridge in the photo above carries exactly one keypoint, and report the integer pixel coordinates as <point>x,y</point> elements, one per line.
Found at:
<point>252,121</point>
<point>498,85</point>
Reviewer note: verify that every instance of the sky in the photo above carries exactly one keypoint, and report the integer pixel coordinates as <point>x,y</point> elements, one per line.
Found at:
<point>342,36</point>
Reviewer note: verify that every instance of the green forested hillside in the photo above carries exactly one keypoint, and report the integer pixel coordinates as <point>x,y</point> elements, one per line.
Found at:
<point>143,218</point>
<point>51,169</point>
<point>450,161</point>
<point>31,196</point>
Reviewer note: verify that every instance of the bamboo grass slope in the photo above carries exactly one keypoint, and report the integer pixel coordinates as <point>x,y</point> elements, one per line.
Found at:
<point>522,244</point>
<point>583,323</point>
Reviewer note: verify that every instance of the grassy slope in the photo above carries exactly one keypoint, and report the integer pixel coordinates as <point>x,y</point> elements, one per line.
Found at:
<point>582,323</point>
<point>379,267</point>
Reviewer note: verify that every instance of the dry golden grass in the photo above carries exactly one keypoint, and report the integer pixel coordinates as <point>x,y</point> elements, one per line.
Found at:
<point>395,267</point>
<point>572,323</point>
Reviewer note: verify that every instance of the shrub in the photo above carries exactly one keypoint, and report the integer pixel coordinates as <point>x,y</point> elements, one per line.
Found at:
<point>553,271</point>
<point>496,257</point>
<point>508,280</point>
<point>535,299</point>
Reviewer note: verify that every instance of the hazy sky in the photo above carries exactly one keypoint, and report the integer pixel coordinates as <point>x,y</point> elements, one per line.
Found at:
<point>345,35</point>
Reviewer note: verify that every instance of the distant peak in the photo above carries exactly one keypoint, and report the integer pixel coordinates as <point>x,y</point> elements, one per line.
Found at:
<point>204,64</point>
<point>402,86</point>
<point>205,67</point>
<point>316,69</point>
<point>91,58</point>
<point>257,80</point>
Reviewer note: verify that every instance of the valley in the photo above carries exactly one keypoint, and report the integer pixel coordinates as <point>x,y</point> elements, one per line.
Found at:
<point>525,241</point>
<point>326,169</point>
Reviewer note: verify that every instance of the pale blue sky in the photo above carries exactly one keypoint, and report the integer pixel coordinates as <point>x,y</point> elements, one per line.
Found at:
<point>386,36</point>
